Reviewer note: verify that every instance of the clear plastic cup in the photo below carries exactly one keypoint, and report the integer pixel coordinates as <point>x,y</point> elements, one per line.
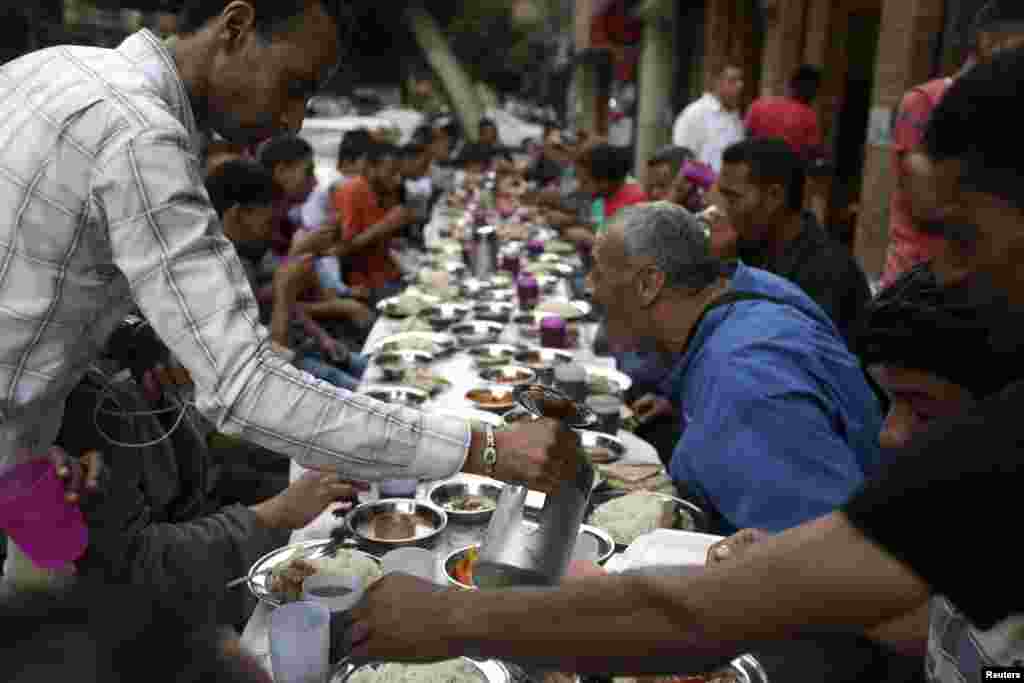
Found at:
<point>33,513</point>
<point>300,641</point>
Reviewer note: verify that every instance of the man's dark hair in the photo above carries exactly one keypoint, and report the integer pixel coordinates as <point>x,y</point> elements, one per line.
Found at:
<point>607,162</point>
<point>273,17</point>
<point>672,155</point>
<point>805,83</point>
<point>379,151</point>
<point>284,149</point>
<point>423,134</point>
<point>474,153</point>
<point>353,145</point>
<point>772,162</point>
<point>240,182</point>
<point>971,122</point>
<point>413,150</point>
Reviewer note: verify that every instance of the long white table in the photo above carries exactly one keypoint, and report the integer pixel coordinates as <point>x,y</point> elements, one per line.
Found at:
<point>459,370</point>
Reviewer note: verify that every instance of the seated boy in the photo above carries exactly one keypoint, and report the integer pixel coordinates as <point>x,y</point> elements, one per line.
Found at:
<point>242,192</point>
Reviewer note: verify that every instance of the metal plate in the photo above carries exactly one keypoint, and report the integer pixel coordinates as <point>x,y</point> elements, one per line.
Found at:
<point>543,358</point>
<point>509,375</point>
<point>407,396</point>
<point>490,671</point>
<point>259,574</point>
<point>558,247</point>
<point>430,521</point>
<point>684,509</point>
<point>443,493</point>
<point>497,392</point>
<point>393,307</point>
<point>477,332</point>
<point>616,448</point>
<point>498,311</point>
<point>393,364</point>
<point>503,295</point>
<point>431,342</point>
<point>596,371</point>
<point>542,268</point>
<point>538,400</point>
<point>573,310</point>
<point>489,355</point>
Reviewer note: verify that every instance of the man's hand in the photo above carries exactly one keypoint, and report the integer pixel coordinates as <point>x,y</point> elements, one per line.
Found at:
<point>361,293</point>
<point>294,277</point>
<point>541,454</point>
<point>81,476</point>
<point>734,546</point>
<point>404,619</point>
<point>559,219</point>
<point>302,502</point>
<point>651,407</point>
<point>579,235</point>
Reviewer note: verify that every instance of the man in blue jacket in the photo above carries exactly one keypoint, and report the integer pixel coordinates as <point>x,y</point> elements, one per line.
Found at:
<point>779,424</point>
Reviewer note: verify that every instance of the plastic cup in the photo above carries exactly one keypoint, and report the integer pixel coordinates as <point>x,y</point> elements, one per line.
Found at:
<point>50,531</point>
<point>339,594</point>
<point>398,488</point>
<point>554,332</point>
<point>300,643</point>
<point>528,291</point>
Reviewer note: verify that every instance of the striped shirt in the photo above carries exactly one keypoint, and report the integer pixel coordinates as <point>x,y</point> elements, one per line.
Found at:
<point>102,208</point>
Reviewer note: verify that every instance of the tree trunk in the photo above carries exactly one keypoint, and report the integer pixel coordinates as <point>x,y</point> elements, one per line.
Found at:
<point>458,84</point>
<point>657,72</point>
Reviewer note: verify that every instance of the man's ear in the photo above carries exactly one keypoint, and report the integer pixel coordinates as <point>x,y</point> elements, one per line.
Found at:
<point>237,24</point>
<point>650,283</point>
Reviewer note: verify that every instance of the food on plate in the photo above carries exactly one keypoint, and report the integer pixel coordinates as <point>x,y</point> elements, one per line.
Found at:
<point>599,384</point>
<point>286,579</point>
<point>392,526</point>
<point>411,344</point>
<point>451,671</point>
<point>638,478</point>
<point>489,398</point>
<point>513,232</point>
<point>463,570</point>
<point>559,247</point>
<point>553,408</point>
<point>470,503</point>
<point>600,455</point>
<point>519,416</point>
<point>631,516</point>
<point>512,377</point>
<point>563,309</point>
<point>416,325</point>
<point>426,380</point>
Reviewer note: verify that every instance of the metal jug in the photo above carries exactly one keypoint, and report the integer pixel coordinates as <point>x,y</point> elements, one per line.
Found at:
<point>517,554</point>
<point>484,252</point>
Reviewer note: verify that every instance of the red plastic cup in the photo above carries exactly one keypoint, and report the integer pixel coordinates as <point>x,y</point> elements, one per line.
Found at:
<point>49,530</point>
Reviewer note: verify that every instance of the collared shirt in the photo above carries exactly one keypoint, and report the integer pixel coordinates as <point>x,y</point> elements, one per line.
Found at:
<point>779,425</point>
<point>102,208</point>
<point>707,128</point>
<point>824,269</point>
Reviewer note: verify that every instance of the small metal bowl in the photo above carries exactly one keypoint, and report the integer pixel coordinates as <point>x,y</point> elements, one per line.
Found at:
<point>509,375</point>
<point>477,332</point>
<point>494,399</point>
<point>430,521</point>
<point>443,494</point>
<point>394,364</point>
<point>591,440</point>
<point>542,359</point>
<point>489,355</point>
<point>497,311</point>
<point>453,559</point>
<point>407,396</point>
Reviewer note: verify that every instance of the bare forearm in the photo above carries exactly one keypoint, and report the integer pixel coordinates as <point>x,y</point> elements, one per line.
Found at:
<point>907,634</point>
<point>280,317</point>
<point>383,231</point>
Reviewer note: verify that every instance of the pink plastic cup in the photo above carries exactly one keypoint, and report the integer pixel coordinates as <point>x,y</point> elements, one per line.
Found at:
<point>49,530</point>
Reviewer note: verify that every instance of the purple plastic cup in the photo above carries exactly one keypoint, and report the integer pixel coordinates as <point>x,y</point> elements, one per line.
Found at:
<point>528,290</point>
<point>535,248</point>
<point>510,262</point>
<point>701,175</point>
<point>49,530</point>
<point>554,333</point>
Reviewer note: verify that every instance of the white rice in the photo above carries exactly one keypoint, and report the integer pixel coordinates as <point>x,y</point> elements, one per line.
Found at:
<point>347,563</point>
<point>451,671</point>
<point>629,517</point>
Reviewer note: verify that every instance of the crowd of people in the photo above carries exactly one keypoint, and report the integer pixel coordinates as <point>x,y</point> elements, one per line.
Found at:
<point>184,308</point>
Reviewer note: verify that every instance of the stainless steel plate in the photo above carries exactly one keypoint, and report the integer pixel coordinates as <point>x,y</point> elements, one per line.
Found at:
<point>393,364</point>
<point>543,358</point>
<point>407,396</point>
<point>509,375</point>
<point>490,671</point>
<point>259,574</point>
<point>615,448</point>
<point>430,342</point>
<point>477,332</point>
<point>689,517</point>
<point>429,521</point>
<point>448,492</point>
<point>488,355</point>
<point>504,393</point>
<point>598,376</point>
<point>564,308</point>
<point>494,310</point>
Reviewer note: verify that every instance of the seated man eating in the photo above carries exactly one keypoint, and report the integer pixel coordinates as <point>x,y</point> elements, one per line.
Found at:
<point>778,421</point>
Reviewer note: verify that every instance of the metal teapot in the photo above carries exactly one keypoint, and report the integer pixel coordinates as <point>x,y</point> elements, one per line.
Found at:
<point>518,554</point>
<point>483,252</point>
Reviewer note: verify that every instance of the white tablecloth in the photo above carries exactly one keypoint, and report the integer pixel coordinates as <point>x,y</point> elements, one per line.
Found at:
<point>458,370</point>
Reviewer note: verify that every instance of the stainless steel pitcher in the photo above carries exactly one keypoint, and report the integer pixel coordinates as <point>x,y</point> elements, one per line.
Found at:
<point>484,252</point>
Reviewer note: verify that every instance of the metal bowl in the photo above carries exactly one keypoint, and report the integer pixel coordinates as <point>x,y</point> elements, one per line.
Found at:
<point>548,402</point>
<point>489,355</point>
<point>480,395</point>
<point>477,332</point>
<point>394,364</point>
<point>434,342</point>
<point>444,493</point>
<point>615,448</point>
<point>500,295</point>
<point>430,521</point>
<point>498,311</point>
<point>509,374</point>
<point>407,396</point>
<point>548,283</point>
<point>451,309</point>
<point>454,558</point>
<point>541,359</point>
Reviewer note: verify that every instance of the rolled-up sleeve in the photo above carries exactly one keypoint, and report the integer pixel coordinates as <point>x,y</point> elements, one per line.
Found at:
<point>189,283</point>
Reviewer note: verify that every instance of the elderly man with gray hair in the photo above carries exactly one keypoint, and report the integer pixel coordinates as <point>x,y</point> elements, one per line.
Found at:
<point>778,422</point>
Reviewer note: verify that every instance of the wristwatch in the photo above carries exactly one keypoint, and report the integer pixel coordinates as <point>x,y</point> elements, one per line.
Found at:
<point>490,454</point>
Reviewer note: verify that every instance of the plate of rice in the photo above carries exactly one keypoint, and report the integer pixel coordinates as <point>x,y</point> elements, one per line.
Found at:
<point>461,670</point>
<point>627,518</point>
<point>276,578</point>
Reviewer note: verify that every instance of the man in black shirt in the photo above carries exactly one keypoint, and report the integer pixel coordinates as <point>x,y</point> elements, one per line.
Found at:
<point>762,183</point>
<point>890,547</point>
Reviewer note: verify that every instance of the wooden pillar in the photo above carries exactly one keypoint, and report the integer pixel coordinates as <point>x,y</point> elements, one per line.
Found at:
<point>586,85</point>
<point>817,37</point>
<point>657,72</point>
<point>905,52</point>
<point>784,43</point>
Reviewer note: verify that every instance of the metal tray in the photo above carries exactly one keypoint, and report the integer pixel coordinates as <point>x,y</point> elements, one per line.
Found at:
<point>477,332</point>
<point>431,342</point>
<point>434,522</point>
<point>406,396</point>
<point>259,574</point>
<point>700,518</point>
<point>490,671</point>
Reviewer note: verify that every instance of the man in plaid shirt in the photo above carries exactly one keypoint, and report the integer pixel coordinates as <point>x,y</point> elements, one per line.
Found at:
<point>102,209</point>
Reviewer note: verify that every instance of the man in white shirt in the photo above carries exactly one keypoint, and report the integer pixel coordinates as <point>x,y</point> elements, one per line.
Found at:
<point>713,123</point>
<point>103,208</point>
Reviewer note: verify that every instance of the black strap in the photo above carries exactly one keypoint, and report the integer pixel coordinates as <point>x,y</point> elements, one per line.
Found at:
<point>728,299</point>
